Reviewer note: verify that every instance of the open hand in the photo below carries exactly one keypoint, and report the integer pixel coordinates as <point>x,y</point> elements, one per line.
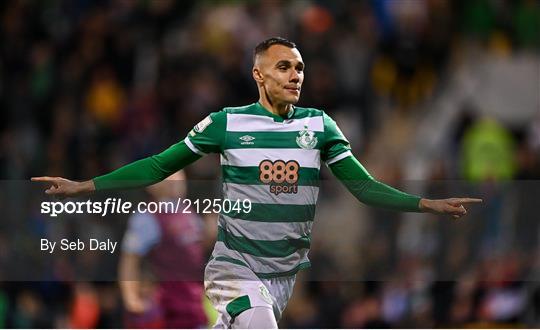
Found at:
<point>450,206</point>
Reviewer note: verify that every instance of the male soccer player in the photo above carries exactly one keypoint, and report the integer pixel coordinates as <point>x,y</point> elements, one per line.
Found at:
<point>173,243</point>
<point>271,153</point>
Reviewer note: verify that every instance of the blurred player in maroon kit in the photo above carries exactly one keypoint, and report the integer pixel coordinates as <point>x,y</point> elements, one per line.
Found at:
<point>173,244</point>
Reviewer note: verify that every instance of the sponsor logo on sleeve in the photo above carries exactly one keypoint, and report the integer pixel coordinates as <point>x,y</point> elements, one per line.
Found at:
<point>203,124</point>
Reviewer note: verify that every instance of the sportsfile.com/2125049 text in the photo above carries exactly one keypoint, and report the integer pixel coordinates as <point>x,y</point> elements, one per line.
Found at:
<point>120,206</point>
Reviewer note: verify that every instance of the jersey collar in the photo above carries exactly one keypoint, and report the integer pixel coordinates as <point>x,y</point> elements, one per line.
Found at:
<point>276,118</point>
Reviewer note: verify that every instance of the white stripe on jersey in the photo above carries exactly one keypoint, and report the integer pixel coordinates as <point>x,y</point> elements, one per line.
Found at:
<point>253,157</point>
<point>266,231</point>
<point>261,194</point>
<point>257,123</point>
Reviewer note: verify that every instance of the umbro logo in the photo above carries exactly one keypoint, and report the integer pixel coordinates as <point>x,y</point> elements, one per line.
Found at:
<point>247,139</point>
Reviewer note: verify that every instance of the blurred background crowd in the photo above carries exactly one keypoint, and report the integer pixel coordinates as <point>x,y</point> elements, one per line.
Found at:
<point>437,97</point>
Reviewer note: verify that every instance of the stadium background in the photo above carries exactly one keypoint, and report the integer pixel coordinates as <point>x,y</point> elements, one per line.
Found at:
<point>435,96</point>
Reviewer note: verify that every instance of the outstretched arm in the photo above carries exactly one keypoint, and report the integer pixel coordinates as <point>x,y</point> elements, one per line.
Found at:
<point>141,173</point>
<point>206,137</point>
<point>372,192</point>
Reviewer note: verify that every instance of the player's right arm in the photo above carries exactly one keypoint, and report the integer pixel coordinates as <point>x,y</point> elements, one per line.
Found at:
<point>140,173</point>
<point>206,137</point>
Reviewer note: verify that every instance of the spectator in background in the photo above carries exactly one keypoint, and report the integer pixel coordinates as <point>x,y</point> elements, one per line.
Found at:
<point>173,243</point>
<point>488,152</point>
<point>488,157</point>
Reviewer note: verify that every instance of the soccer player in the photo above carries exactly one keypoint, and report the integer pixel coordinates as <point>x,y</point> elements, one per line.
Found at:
<point>173,243</point>
<point>271,153</point>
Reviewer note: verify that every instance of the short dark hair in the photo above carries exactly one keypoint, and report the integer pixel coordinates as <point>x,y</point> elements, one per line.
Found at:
<point>264,45</point>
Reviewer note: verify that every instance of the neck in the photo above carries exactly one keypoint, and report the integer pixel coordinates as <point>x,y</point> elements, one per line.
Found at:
<point>280,109</point>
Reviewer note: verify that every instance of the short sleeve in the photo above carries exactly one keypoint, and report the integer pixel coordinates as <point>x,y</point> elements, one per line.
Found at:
<point>336,146</point>
<point>208,135</point>
<point>142,234</point>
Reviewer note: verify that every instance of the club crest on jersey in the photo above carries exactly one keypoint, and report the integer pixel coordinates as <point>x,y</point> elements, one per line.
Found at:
<point>306,139</point>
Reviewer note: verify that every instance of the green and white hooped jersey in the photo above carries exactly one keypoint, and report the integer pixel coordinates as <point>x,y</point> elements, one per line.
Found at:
<point>274,162</point>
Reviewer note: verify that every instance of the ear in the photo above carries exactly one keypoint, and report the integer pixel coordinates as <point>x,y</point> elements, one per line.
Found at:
<point>257,75</point>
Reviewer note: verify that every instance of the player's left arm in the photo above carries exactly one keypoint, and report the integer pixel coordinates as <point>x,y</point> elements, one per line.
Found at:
<point>375,193</point>
<point>337,155</point>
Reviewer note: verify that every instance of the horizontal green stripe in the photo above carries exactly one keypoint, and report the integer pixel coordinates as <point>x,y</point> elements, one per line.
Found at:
<point>272,140</point>
<point>232,261</point>
<point>275,213</point>
<point>257,109</point>
<point>307,176</point>
<point>303,265</point>
<point>269,249</point>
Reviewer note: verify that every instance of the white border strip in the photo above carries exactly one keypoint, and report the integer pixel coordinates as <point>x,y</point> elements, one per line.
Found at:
<point>339,157</point>
<point>192,147</point>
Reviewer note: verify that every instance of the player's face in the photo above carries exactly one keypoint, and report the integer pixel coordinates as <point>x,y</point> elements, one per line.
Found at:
<point>281,72</point>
